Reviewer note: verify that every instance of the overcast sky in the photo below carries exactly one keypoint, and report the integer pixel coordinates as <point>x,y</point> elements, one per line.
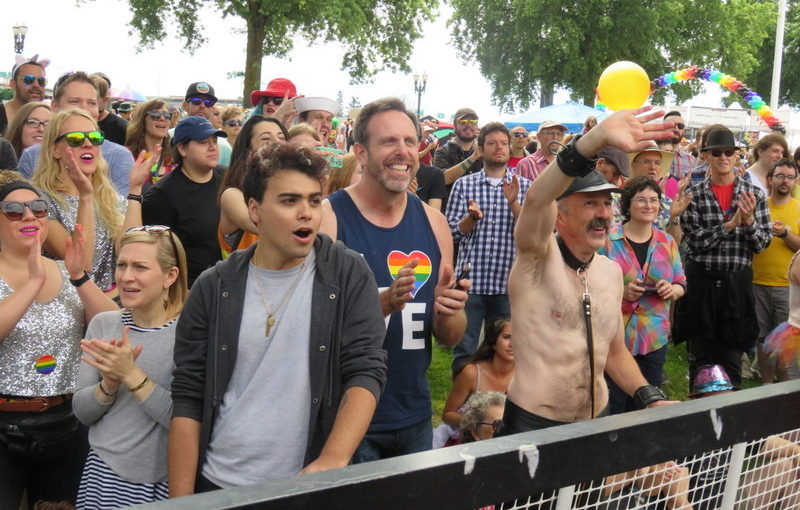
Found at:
<point>96,39</point>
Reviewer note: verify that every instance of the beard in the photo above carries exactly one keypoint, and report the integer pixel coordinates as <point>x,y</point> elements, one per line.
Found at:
<point>466,139</point>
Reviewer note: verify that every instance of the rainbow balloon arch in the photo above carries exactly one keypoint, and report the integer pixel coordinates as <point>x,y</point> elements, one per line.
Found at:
<point>729,82</point>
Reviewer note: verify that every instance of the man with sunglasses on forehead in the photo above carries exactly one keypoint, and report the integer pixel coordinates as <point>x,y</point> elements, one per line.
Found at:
<point>198,102</point>
<point>726,223</point>
<point>28,83</point>
<point>78,90</point>
<point>684,161</point>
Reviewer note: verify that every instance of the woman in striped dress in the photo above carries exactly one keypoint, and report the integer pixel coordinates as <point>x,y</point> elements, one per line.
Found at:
<point>124,394</point>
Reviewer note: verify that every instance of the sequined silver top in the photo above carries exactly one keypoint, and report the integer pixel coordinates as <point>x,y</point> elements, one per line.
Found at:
<point>104,260</point>
<point>40,357</point>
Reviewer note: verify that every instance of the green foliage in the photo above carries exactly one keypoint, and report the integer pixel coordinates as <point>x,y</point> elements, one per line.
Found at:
<point>375,34</point>
<point>525,46</point>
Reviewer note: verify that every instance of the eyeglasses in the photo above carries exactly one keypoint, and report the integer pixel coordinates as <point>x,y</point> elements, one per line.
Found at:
<point>646,201</point>
<point>784,177</point>
<point>555,133</point>
<point>719,152</point>
<point>234,123</point>
<point>277,101</point>
<point>14,211</point>
<point>76,138</point>
<point>35,123</point>
<point>495,424</point>
<point>197,101</point>
<point>159,115</point>
<point>157,230</point>
<point>468,121</point>
<point>28,79</point>
<point>520,134</point>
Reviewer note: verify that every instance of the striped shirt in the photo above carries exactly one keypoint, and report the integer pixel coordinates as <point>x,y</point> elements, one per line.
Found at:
<point>708,243</point>
<point>682,164</point>
<point>532,166</point>
<point>490,247</point>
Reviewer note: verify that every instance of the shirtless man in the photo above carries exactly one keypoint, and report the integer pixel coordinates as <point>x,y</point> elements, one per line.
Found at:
<point>551,382</point>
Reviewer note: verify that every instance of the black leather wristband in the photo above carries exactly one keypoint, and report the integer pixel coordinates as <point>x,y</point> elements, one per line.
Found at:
<point>646,395</point>
<point>137,198</point>
<point>80,281</point>
<point>573,163</point>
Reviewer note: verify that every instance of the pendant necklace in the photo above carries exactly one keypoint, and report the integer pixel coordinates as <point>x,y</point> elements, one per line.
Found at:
<point>270,311</point>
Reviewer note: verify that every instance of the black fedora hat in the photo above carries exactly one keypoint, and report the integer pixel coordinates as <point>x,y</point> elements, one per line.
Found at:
<point>719,139</point>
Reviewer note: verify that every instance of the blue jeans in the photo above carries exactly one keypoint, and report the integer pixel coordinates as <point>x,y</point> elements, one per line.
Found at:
<point>480,309</point>
<point>391,443</point>
<point>652,367</point>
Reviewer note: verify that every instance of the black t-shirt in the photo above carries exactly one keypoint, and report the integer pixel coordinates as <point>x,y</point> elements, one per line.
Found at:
<point>430,183</point>
<point>114,127</point>
<point>191,210</point>
<point>640,249</point>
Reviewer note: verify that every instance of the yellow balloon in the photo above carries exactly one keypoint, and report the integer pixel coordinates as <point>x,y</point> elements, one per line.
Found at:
<point>623,85</point>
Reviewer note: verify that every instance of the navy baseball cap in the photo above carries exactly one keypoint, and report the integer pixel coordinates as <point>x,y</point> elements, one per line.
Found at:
<point>195,128</point>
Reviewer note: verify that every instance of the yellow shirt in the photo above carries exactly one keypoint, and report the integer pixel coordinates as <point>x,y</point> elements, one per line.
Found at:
<point>771,267</point>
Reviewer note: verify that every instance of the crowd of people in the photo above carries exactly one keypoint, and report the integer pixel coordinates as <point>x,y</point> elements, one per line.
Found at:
<point>179,282</point>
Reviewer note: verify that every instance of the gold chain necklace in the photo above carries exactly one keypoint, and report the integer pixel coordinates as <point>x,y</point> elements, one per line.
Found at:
<point>270,312</point>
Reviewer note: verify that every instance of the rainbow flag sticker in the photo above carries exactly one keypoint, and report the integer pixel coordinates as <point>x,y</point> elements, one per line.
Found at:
<point>45,364</point>
<point>397,259</point>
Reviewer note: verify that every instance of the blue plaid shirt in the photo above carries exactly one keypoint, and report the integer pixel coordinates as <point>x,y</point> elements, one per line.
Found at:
<point>490,247</point>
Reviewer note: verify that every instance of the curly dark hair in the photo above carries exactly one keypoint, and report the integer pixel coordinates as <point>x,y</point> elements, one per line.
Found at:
<point>270,159</point>
<point>486,350</point>
<point>634,186</point>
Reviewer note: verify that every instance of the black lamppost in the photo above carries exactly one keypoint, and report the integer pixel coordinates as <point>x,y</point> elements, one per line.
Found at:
<point>419,88</point>
<point>19,37</point>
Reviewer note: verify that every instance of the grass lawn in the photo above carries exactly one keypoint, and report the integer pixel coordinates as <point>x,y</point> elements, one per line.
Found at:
<point>676,367</point>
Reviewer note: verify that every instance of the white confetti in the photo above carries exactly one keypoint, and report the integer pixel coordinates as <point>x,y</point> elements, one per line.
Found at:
<point>469,462</point>
<point>716,422</point>
<point>530,453</point>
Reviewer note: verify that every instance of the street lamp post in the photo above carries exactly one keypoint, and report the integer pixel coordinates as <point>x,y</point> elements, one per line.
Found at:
<point>419,88</point>
<point>19,37</point>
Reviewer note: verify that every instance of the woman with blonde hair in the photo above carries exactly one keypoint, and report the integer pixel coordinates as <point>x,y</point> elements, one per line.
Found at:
<point>28,126</point>
<point>148,131</point>
<point>349,174</point>
<point>73,174</point>
<point>124,385</point>
<point>232,122</point>
<point>304,135</point>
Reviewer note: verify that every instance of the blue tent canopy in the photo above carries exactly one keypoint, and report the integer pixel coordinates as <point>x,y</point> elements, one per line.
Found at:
<point>570,114</point>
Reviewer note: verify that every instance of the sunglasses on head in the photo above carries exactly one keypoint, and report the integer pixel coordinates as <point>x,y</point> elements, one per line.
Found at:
<point>719,152</point>
<point>520,134</point>
<point>14,210</point>
<point>234,123</point>
<point>157,230</point>
<point>35,123</point>
<point>274,100</point>
<point>197,101</point>
<point>159,115</point>
<point>76,138</point>
<point>28,79</point>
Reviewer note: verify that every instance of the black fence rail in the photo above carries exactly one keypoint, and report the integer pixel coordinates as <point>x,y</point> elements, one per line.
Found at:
<point>515,467</point>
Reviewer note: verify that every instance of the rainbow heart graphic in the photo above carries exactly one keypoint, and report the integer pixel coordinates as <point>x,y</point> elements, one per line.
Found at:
<point>397,259</point>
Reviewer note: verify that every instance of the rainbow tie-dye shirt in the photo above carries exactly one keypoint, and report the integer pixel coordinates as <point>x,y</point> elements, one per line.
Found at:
<point>646,320</point>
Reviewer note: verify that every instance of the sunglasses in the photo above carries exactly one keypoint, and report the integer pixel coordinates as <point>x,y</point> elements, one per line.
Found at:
<point>469,121</point>
<point>14,211</point>
<point>277,101</point>
<point>159,115</point>
<point>234,123</point>
<point>157,230</point>
<point>197,101</point>
<point>680,125</point>
<point>35,123</point>
<point>28,79</point>
<point>719,152</point>
<point>520,134</point>
<point>76,138</point>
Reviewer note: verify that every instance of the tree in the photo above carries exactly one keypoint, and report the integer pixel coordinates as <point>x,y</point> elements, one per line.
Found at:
<point>340,100</point>
<point>526,46</point>
<point>375,34</point>
<point>354,103</point>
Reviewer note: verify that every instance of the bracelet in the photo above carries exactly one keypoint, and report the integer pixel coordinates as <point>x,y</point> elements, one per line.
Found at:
<point>80,281</point>
<point>465,166</point>
<point>573,163</point>
<point>784,234</point>
<point>103,391</point>
<point>140,385</point>
<point>137,198</point>
<point>646,395</point>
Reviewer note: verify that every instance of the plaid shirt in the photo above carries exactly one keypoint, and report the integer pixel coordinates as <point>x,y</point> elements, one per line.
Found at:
<point>490,247</point>
<point>707,241</point>
<point>532,166</point>
<point>682,164</point>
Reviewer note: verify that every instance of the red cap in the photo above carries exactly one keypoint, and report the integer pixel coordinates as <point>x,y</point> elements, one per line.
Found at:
<point>276,88</point>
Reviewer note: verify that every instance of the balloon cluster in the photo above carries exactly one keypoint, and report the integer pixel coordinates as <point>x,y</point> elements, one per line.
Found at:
<point>729,82</point>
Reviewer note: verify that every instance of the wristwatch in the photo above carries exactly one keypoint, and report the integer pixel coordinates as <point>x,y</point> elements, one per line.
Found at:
<point>80,281</point>
<point>783,234</point>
